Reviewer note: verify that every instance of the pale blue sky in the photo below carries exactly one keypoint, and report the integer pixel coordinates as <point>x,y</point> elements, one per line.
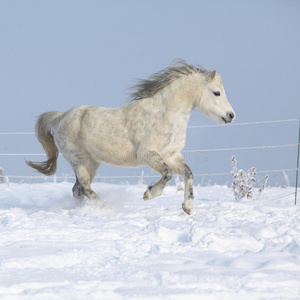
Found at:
<point>59,54</point>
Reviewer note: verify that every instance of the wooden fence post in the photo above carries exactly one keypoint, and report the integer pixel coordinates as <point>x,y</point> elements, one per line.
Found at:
<point>1,176</point>
<point>297,170</point>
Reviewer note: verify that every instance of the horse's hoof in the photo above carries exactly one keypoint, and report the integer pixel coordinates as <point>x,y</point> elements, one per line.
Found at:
<point>79,199</point>
<point>187,208</point>
<point>146,196</point>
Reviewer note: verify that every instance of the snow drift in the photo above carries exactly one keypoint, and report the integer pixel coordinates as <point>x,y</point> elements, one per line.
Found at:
<point>54,248</point>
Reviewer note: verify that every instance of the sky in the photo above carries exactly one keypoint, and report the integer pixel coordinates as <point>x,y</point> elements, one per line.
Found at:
<point>59,54</point>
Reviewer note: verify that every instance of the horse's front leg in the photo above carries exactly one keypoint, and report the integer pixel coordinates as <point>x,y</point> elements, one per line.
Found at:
<point>156,162</point>
<point>178,165</point>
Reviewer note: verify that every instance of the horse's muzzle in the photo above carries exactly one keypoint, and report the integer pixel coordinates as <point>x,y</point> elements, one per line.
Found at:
<point>229,117</point>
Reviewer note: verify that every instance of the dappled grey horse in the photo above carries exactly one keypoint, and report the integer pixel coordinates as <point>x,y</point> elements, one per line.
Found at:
<point>150,130</point>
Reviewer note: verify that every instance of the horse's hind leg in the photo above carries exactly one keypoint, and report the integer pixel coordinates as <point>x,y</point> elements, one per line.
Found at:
<point>77,190</point>
<point>93,167</point>
<point>156,162</point>
<point>85,171</point>
<point>84,179</point>
<point>84,167</point>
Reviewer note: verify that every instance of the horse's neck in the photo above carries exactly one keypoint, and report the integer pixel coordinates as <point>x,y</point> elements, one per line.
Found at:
<point>178,99</point>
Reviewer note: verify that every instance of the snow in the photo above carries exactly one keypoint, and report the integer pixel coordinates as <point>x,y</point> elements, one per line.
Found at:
<point>54,248</point>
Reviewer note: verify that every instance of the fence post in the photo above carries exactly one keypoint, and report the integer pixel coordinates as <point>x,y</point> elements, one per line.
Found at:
<point>1,175</point>
<point>297,170</point>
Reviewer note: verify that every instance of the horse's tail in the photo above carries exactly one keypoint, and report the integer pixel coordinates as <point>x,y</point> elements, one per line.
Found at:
<point>43,132</point>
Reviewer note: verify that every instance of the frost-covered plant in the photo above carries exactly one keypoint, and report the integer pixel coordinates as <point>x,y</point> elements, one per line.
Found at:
<point>243,181</point>
<point>179,185</point>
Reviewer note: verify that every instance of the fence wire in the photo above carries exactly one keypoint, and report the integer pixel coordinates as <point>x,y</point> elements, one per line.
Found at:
<point>184,151</point>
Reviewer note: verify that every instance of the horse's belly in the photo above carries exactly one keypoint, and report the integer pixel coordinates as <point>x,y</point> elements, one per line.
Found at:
<point>121,155</point>
<point>120,162</point>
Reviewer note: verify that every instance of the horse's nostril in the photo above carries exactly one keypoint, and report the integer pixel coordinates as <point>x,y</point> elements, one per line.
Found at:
<point>231,115</point>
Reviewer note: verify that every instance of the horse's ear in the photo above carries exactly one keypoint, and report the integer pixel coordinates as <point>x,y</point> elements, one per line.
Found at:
<point>213,75</point>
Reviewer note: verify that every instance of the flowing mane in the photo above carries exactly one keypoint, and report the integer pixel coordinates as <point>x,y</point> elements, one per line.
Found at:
<point>146,88</point>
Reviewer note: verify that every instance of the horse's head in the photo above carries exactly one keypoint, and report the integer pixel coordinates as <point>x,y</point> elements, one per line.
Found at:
<point>213,102</point>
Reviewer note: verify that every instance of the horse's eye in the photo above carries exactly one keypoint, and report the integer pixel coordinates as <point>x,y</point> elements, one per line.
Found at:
<point>217,93</point>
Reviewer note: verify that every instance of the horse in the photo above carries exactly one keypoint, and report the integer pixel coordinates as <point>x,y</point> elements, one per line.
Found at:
<point>149,130</point>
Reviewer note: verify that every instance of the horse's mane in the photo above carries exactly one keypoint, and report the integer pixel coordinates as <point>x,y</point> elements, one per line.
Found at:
<point>146,88</point>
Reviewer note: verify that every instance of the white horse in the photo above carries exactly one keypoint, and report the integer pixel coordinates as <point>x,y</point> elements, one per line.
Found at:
<point>150,130</point>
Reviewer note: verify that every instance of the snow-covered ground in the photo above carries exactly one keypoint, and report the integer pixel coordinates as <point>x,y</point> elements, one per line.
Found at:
<point>53,248</point>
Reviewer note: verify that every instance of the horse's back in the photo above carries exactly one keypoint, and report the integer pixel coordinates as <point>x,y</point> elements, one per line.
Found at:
<point>73,118</point>
<point>99,133</point>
